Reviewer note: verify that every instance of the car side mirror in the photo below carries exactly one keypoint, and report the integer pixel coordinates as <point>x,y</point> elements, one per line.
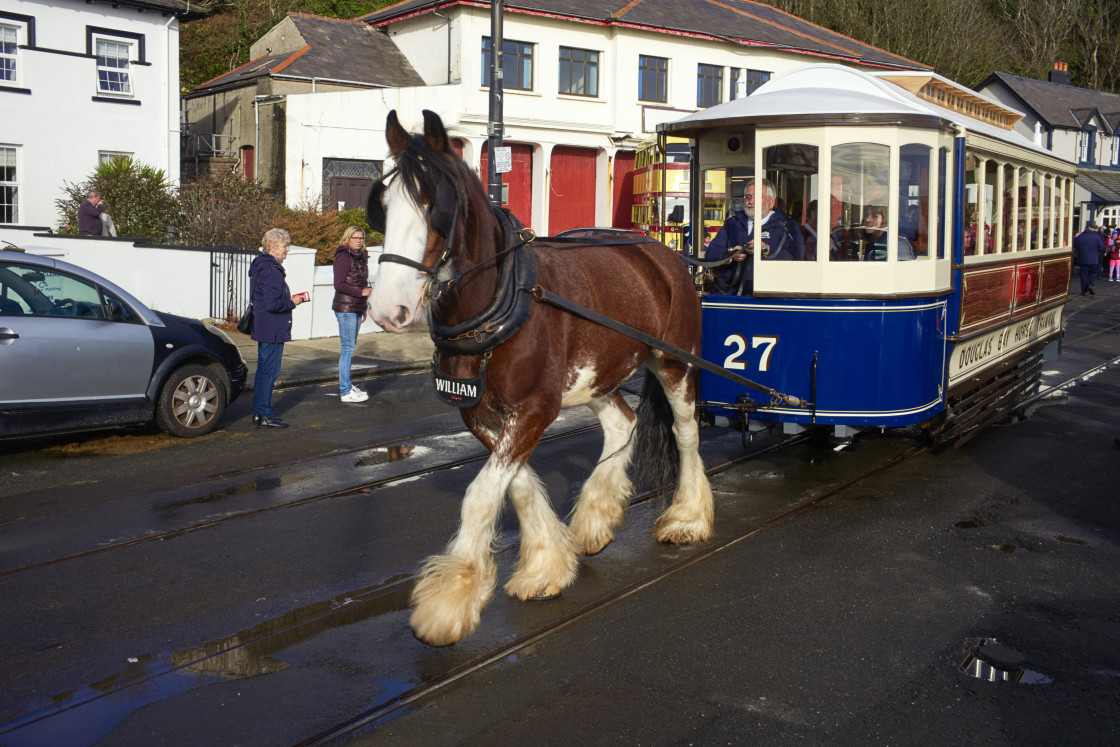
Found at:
<point>116,311</point>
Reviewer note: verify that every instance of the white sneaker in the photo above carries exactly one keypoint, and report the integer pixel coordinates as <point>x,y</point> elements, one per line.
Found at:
<point>355,395</point>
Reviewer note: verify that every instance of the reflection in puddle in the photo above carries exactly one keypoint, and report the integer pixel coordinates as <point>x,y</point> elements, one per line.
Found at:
<point>385,455</point>
<point>244,488</point>
<point>86,715</point>
<point>982,661</point>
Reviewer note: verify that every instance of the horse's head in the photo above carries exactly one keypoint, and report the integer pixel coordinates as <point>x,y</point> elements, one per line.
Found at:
<point>417,207</point>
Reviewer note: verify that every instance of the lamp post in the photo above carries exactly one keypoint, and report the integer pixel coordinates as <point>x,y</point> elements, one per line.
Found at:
<point>494,128</point>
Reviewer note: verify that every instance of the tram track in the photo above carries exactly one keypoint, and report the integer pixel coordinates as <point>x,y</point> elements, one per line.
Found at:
<point>347,490</point>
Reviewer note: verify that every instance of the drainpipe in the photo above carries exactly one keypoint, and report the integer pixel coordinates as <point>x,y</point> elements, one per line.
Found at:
<point>167,96</point>
<point>437,14</point>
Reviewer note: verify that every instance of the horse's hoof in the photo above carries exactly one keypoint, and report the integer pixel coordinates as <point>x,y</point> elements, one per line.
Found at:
<point>591,551</point>
<point>548,592</point>
<point>682,533</point>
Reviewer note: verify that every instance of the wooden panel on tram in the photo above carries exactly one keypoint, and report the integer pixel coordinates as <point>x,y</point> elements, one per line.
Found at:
<point>1055,278</point>
<point>986,296</point>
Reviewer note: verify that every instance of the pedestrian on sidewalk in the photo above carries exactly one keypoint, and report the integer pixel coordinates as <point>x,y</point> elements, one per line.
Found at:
<point>351,294</point>
<point>1114,257</point>
<point>1088,248</point>
<point>272,321</point>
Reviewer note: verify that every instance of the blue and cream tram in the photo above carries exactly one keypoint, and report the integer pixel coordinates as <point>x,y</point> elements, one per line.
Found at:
<point>946,326</point>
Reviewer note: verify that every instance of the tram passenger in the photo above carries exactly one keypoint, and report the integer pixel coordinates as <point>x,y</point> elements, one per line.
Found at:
<point>780,239</point>
<point>875,237</point>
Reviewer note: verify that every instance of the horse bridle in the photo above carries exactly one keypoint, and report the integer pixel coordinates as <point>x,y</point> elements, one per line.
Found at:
<point>442,218</point>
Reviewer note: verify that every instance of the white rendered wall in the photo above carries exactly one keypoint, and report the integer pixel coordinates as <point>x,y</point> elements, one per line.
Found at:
<point>59,129</point>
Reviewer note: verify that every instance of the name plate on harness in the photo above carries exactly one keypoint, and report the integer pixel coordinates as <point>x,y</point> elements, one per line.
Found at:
<point>460,393</point>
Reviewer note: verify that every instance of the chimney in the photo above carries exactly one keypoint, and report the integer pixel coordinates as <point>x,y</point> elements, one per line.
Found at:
<point>1060,73</point>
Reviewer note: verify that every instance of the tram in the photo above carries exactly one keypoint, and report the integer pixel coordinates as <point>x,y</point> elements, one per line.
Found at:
<point>662,170</point>
<point>948,330</point>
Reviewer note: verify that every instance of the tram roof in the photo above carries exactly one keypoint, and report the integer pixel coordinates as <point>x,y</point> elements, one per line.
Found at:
<point>824,94</point>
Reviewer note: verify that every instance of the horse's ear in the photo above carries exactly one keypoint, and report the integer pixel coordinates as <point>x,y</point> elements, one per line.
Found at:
<point>435,132</point>
<point>396,135</point>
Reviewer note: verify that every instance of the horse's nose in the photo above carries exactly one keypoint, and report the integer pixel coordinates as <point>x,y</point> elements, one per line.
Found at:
<point>403,317</point>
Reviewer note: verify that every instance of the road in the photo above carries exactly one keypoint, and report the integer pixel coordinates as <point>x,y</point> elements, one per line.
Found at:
<point>251,587</point>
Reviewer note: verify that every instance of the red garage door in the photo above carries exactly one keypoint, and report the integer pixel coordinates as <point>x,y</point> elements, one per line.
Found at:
<point>520,180</point>
<point>571,199</point>
<point>623,189</point>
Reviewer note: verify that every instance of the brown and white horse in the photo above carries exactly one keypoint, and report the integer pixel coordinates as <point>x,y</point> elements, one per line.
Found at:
<point>556,360</point>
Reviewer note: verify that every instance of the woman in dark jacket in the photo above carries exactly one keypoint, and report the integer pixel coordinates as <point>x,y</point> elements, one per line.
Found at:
<point>351,289</point>
<point>272,321</point>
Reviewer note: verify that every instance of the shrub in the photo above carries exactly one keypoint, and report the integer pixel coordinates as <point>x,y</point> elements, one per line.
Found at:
<point>226,210</point>
<point>138,196</point>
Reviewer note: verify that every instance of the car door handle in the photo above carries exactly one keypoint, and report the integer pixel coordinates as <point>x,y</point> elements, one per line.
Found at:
<point>9,335</point>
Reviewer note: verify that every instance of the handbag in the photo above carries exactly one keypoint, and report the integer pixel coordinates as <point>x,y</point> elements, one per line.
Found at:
<point>245,323</point>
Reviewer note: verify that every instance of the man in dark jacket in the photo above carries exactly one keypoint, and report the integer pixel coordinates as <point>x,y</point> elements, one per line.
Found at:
<point>781,240</point>
<point>1088,248</point>
<point>89,214</point>
<point>272,321</point>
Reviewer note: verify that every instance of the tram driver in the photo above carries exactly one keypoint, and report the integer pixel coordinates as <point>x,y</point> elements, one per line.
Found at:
<point>875,237</point>
<point>780,239</point>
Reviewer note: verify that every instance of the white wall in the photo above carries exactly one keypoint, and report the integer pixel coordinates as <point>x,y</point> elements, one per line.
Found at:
<point>59,129</point>
<point>177,280</point>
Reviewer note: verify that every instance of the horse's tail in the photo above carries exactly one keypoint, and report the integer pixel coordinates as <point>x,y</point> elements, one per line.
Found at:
<point>656,459</point>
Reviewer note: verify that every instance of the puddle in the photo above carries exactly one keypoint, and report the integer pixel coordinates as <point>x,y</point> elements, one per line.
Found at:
<point>85,715</point>
<point>244,488</point>
<point>985,659</point>
<point>385,455</point>
<point>969,524</point>
<point>1010,549</point>
<point>1071,540</point>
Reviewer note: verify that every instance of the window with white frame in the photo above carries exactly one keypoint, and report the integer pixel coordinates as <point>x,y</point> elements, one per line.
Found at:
<point>112,67</point>
<point>9,47</point>
<point>105,156</point>
<point>9,184</point>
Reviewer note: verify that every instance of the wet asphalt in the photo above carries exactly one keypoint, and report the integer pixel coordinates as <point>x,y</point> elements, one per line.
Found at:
<point>845,624</point>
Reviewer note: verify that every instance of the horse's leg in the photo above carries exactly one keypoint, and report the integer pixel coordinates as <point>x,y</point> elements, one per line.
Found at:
<point>548,559</point>
<point>453,588</point>
<point>689,517</point>
<point>605,496</point>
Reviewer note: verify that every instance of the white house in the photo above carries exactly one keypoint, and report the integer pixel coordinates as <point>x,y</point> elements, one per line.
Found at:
<point>585,83</point>
<point>82,81</point>
<point>1080,124</point>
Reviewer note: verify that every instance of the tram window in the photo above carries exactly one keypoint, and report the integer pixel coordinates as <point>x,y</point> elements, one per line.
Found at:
<point>942,186</point>
<point>971,204</point>
<point>913,193</point>
<point>794,169</point>
<point>1023,227</point>
<point>859,181</point>
<point>1042,188</point>
<point>1007,210</point>
<point>991,197</point>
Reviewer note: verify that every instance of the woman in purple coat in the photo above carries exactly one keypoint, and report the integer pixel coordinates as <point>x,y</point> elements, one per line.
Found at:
<point>351,291</point>
<point>272,321</point>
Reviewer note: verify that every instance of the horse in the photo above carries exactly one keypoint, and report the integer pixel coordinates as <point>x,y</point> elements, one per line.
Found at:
<point>446,245</point>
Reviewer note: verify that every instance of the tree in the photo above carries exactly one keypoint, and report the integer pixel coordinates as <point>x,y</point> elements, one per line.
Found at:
<point>138,196</point>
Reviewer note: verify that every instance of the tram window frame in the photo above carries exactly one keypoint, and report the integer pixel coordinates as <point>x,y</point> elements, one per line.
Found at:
<point>847,229</point>
<point>915,155</point>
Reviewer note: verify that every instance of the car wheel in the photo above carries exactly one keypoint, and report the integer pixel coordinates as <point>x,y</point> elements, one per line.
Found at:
<point>190,402</point>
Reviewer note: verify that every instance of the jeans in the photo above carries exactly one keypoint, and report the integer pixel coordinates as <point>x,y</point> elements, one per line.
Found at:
<point>269,356</point>
<point>348,334</point>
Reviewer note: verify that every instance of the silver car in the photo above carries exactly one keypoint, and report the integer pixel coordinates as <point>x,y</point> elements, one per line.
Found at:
<point>78,353</point>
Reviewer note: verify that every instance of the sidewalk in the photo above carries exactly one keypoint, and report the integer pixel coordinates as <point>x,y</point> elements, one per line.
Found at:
<point>314,361</point>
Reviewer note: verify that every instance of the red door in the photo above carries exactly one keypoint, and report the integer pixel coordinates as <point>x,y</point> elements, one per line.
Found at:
<point>623,189</point>
<point>571,199</point>
<point>519,181</point>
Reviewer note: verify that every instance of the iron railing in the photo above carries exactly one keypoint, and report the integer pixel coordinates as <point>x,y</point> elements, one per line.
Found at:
<point>229,282</point>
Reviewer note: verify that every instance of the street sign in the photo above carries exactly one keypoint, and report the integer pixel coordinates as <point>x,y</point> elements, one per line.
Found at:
<point>503,160</point>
